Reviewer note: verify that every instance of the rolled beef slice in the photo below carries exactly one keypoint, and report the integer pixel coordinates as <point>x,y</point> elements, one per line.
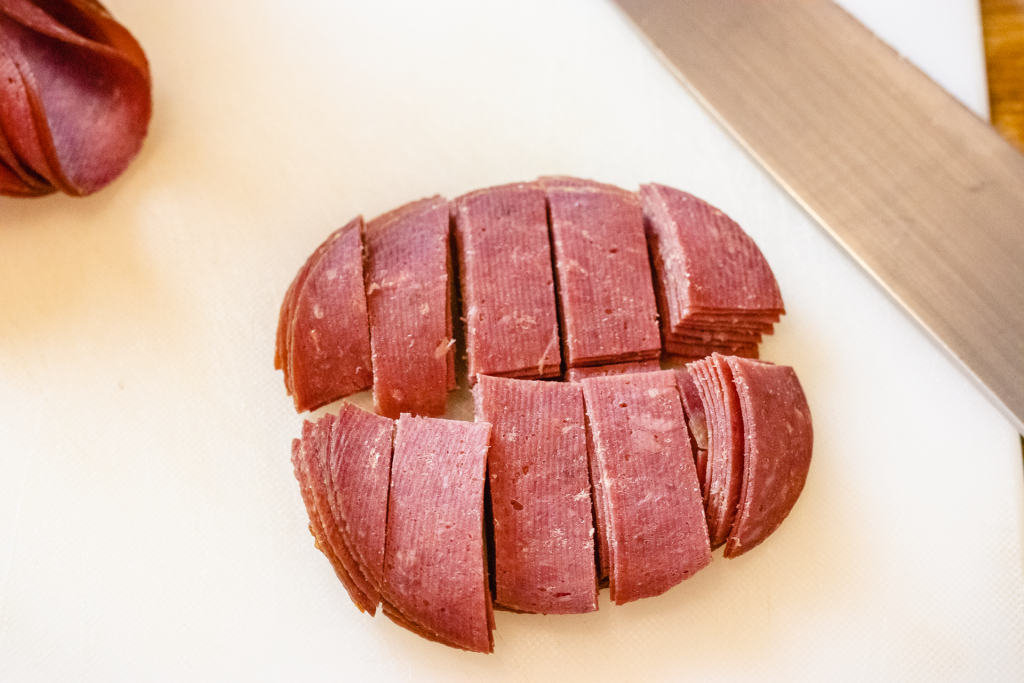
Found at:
<point>408,299</point>
<point>508,290</point>
<point>435,576</point>
<point>329,349</point>
<point>603,273</point>
<point>777,449</point>
<point>653,512</point>
<point>540,495</point>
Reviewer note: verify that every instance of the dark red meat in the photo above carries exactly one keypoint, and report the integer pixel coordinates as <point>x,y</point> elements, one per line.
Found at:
<point>540,495</point>
<point>328,343</point>
<point>408,299</point>
<point>652,509</point>
<point>604,279</point>
<point>777,449</point>
<point>434,565</point>
<point>508,290</point>
<point>76,100</point>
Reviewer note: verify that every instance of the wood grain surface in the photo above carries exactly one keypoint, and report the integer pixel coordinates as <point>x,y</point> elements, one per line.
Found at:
<point>1003,24</point>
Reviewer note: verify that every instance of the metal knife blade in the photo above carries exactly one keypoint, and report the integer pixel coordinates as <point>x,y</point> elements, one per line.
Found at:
<point>922,192</point>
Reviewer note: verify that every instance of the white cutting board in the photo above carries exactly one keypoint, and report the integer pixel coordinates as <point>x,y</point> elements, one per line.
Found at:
<point>150,525</point>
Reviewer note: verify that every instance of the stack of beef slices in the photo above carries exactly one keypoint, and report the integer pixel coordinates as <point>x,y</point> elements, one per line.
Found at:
<point>716,292</point>
<point>588,483</point>
<point>624,475</point>
<point>554,279</point>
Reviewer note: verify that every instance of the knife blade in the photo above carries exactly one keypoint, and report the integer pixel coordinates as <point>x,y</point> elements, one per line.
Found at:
<point>925,195</point>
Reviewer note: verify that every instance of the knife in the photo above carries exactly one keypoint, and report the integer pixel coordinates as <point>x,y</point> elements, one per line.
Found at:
<point>923,194</point>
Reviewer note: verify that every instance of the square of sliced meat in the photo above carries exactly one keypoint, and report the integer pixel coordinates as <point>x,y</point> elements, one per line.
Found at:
<point>724,476</point>
<point>579,374</point>
<point>605,289</point>
<point>707,269</point>
<point>540,495</point>
<point>777,449</point>
<point>651,510</point>
<point>508,291</point>
<point>408,299</point>
<point>435,565</point>
<point>327,347</point>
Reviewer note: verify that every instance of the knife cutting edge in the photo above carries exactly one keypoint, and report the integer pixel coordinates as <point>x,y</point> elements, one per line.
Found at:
<point>923,194</point>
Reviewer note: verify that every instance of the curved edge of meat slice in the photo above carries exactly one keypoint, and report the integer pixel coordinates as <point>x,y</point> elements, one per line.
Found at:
<point>540,495</point>
<point>724,475</point>
<point>778,442</point>
<point>321,523</point>
<point>359,474</point>
<point>328,343</point>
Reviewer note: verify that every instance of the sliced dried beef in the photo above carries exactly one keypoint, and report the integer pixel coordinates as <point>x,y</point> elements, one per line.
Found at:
<point>408,300</point>
<point>715,290</point>
<point>308,460</point>
<point>540,495</point>
<point>778,439</point>
<point>327,341</point>
<point>508,293</point>
<point>651,510</point>
<point>435,577</point>
<point>724,475</point>
<point>579,374</point>
<point>76,100</point>
<point>358,472</point>
<point>605,290</point>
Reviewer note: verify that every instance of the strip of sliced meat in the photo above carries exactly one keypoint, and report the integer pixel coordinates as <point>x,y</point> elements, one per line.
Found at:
<point>306,456</point>
<point>724,475</point>
<point>540,495</point>
<point>508,291</point>
<point>778,442</point>
<point>696,423</point>
<point>329,347</point>
<point>407,297</point>
<point>359,472</point>
<point>603,273</point>
<point>87,83</point>
<point>653,512</point>
<point>711,278</point>
<point>579,374</point>
<point>434,565</point>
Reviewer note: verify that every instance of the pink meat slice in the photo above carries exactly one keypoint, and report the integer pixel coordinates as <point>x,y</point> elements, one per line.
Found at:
<point>508,291</point>
<point>696,422</point>
<point>654,513</point>
<point>88,85</point>
<point>579,374</point>
<point>777,449</point>
<point>724,475</point>
<point>408,299</point>
<point>605,290</point>
<point>540,495</point>
<point>434,563</point>
<point>359,472</point>
<point>306,459</point>
<point>329,349</point>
